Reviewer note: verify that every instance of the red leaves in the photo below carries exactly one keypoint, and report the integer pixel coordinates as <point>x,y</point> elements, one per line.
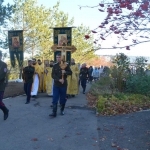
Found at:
<point>145,6</point>
<point>102,5</point>
<point>106,22</point>
<point>101,10</point>
<point>138,13</point>
<point>123,5</point>
<point>127,48</point>
<point>129,7</point>
<point>110,10</point>
<point>87,37</point>
<point>34,139</point>
<point>134,41</point>
<point>101,26</point>
<point>94,31</point>
<point>117,32</point>
<point>102,38</point>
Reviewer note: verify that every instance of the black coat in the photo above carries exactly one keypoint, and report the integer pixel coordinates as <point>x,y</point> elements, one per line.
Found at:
<point>28,73</point>
<point>84,73</point>
<point>57,75</point>
<point>3,75</point>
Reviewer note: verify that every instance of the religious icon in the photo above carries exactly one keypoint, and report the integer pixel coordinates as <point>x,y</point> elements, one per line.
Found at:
<point>15,42</point>
<point>46,62</point>
<point>62,40</point>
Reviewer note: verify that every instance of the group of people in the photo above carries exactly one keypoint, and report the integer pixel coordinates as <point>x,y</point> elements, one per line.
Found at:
<point>94,73</point>
<point>38,77</point>
<point>48,78</point>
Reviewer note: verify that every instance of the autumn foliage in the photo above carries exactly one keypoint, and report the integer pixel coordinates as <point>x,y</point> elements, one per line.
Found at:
<point>127,19</point>
<point>99,61</point>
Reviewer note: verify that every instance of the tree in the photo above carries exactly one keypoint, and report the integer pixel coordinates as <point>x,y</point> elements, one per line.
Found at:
<point>36,22</point>
<point>127,20</point>
<point>5,13</point>
<point>140,64</point>
<point>84,50</point>
<point>120,70</point>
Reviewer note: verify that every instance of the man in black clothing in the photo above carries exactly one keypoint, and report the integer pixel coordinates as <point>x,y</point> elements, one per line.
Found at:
<point>60,85</point>
<point>90,71</point>
<point>83,76</point>
<point>27,77</point>
<point>3,76</point>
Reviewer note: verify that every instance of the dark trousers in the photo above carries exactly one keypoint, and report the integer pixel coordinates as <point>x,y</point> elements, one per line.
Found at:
<point>83,84</point>
<point>1,99</point>
<point>59,93</point>
<point>27,89</point>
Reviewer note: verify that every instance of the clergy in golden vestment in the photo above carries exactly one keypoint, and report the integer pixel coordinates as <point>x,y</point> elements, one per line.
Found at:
<point>41,82</point>
<point>49,79</point>
<point>73,86</point>
<point>35,85</point>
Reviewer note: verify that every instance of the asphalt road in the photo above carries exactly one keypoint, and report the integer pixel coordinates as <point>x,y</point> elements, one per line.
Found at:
<point>29,127</point>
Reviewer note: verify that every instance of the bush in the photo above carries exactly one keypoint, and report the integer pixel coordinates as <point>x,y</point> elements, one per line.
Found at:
<point>138,84</point>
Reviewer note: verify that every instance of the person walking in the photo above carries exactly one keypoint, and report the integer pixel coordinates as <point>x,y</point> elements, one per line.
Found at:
<point>96,74</point>
<point>73,86</point>
<point>90,73</point>
<point>27,76</point>
<point>60,85</point>
<point>3,76</point>
<point>83,76</point>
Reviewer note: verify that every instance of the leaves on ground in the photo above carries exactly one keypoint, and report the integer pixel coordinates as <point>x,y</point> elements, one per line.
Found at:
<point>114,105</point>
<point>34,139</point>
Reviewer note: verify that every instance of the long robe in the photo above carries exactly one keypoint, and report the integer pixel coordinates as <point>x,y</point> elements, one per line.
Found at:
<point>35,84</point>
<point>73,86</point>
<point>41,75</point>
<point>49,81</point>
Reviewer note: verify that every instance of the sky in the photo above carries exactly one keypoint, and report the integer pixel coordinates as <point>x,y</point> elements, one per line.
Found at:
<point>92,18</point>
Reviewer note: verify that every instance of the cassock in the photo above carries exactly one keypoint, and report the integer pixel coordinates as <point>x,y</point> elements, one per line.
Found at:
<point>49,81</point>
<point>36,78</point>
<point>73,86</point>
<point>41,79</point>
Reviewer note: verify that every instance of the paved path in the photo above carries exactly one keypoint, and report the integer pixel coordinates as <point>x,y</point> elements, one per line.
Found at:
<point>125,132</point>
<point>29,127</point>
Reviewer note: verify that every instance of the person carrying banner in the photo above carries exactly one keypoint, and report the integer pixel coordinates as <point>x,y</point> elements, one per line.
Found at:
<point>60,84</point>
<point>3,75</point>
<point>36,78</point>
<point>73,86</point>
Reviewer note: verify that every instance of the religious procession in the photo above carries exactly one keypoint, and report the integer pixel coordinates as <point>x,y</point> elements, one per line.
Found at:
<point>59,78</point>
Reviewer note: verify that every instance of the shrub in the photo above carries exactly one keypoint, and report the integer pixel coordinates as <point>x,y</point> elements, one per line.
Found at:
<point>138,84</point>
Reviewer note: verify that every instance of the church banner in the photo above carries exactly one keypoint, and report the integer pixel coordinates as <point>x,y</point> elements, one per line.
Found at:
<point>15,39</point>
<point>63,38</point>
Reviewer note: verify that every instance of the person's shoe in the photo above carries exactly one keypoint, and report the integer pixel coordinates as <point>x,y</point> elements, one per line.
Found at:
<point>83,92</point>
<point>62,109</point>
<point>54,113</point>
<point>73,95</point>
<point>27,102</point>
<point>6,113</point>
